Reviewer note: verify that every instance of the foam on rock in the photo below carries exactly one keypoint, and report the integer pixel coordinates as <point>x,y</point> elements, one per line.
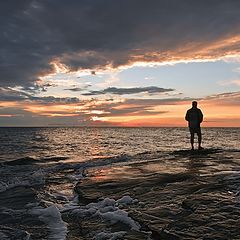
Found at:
<point>52,217</point>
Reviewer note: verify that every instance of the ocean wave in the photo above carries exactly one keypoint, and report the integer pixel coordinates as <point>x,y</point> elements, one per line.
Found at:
<point>29,160</point>
<point>34,179</point>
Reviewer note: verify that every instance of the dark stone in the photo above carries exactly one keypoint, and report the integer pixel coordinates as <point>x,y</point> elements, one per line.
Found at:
<point>17,197</point>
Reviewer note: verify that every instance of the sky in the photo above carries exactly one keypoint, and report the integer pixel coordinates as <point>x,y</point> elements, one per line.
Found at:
<point>129,63</point>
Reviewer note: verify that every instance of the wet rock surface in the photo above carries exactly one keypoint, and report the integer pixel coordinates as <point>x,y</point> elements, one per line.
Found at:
<point>199,199</point>
<point>177,195</point>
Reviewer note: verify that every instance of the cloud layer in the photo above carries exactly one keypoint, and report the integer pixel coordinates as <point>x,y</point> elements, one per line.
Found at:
<point>26,110</point>
<point>123,91</point>
<point>98,34</point>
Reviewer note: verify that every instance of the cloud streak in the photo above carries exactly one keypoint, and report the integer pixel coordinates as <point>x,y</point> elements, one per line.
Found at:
<point>127,91</point>
<point>10,94</point>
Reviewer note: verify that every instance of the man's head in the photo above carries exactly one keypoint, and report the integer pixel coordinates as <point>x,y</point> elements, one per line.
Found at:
<point>194,104</point>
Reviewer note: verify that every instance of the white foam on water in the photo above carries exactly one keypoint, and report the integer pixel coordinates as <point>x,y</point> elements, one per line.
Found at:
<point>120,216</point>
<point>127,200</point>
<point>110,236</point>
<point>52,217</point>
<point>102,204</point>
<point>108,210</point>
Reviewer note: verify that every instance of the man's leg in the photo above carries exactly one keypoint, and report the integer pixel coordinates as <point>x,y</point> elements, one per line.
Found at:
<point>199,139</point>
<point>192,139</point>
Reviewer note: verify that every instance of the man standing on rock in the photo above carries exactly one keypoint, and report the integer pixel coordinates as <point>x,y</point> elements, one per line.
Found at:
<point>194,117</point>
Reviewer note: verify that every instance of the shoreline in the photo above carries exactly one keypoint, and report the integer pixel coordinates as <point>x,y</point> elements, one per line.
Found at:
<point>180,195</point>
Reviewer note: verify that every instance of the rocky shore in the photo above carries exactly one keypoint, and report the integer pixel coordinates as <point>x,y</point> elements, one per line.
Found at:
<point>176,195</point>
<point>190,195</point>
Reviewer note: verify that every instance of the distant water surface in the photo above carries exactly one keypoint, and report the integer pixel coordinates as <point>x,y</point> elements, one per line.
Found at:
<point>81,144</point>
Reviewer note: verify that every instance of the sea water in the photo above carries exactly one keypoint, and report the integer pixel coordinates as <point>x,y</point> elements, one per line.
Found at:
<point>80,144</point>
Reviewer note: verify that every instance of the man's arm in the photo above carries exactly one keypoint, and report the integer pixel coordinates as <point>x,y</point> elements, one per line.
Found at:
<point>200,116</point>
<point>187,116</point>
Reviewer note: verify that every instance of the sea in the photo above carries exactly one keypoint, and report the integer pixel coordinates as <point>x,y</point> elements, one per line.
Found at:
<point>86,143</point>
<point>41,169</point>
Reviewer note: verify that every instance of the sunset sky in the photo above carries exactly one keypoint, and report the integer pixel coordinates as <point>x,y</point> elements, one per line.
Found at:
<point>119,63</point>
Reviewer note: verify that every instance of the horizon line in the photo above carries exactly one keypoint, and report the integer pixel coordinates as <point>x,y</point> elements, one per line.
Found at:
<point>71,126</point>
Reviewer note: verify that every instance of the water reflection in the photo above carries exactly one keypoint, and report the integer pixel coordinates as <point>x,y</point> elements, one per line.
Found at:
<point>86,143</point>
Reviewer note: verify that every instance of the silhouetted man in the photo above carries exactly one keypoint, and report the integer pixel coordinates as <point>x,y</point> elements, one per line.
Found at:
<point>194,117</point>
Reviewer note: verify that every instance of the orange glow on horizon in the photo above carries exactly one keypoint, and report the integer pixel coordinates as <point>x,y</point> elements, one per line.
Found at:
<point>219,111</point>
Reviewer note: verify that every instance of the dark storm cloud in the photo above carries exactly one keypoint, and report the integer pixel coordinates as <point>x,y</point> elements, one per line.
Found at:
<point>121,91</point>
<point>94,34</point>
